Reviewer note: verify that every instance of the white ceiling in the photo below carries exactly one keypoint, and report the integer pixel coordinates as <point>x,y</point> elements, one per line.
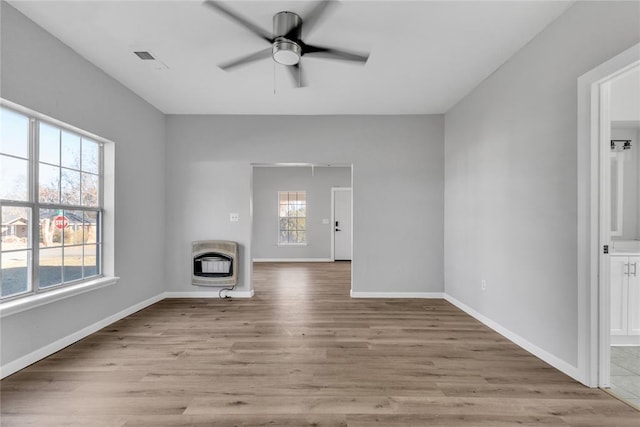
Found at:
<point>425,55</point>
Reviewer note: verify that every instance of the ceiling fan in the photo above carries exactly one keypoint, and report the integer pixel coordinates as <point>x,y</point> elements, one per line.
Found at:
<point>286,44</point>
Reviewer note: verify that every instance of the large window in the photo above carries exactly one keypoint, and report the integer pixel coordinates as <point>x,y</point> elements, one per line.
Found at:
<point>51,206</point>
<point>292,217</point>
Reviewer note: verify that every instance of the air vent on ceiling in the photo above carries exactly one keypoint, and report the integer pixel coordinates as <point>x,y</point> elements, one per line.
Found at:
<point>145,56</point>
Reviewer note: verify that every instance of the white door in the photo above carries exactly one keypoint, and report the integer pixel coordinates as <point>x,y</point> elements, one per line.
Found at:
<point>341,224</point>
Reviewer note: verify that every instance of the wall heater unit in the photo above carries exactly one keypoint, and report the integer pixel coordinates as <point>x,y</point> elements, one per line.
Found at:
<point>215,263</point>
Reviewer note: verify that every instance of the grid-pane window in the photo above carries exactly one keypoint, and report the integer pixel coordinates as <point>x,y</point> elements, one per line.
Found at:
<point>50,205</point>
<point>292,217</point>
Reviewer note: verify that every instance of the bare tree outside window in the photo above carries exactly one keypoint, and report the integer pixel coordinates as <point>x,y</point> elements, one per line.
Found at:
<point>292,216</point>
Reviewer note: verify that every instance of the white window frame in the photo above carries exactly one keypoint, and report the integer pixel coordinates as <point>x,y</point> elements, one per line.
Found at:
<point>306,216</point>
<point>37,297</point>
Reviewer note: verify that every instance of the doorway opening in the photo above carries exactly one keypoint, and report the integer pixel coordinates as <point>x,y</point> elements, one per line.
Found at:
<point>294,212</point>
<point>622,208</point>
<point>608,225</point>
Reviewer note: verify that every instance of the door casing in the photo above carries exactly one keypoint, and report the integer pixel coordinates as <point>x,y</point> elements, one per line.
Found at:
<point>594,128</point>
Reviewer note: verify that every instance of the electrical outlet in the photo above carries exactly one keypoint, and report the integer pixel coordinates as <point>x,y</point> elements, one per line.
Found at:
<point>483,285</point>
<point>234,217</point>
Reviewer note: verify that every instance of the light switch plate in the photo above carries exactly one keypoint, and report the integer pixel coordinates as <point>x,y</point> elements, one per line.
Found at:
<point>325,221</point>
<point>234,217</point>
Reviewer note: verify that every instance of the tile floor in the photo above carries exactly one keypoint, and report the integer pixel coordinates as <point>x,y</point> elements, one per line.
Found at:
<point>625,374</point>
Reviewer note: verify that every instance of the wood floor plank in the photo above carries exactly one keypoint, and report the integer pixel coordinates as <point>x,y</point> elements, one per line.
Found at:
<point>301,353</point>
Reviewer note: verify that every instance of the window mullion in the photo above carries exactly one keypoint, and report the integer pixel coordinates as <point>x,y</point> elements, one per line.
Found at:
<point>63,234</point>
<point>101,175</point>
<point>69,207</point>
<point>34,159</point>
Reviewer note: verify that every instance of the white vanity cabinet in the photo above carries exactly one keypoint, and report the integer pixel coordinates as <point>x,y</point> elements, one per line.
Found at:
<point>625,295</point>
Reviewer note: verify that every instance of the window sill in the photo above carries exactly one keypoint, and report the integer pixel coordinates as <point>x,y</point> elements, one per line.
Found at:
<point>22,304</point>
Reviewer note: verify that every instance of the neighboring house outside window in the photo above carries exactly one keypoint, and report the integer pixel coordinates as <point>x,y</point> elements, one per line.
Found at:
<point>292,217</point>
<point>51,204</point>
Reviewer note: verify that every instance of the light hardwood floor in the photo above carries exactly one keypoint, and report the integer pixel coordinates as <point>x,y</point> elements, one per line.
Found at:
<point>301,353</point>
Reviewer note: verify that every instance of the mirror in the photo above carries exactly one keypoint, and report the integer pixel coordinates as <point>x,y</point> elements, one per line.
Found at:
<point>617,179</point>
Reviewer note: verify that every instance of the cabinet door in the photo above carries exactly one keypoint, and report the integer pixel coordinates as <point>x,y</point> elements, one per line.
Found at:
<point>633,306</point>
<point>619,295</point>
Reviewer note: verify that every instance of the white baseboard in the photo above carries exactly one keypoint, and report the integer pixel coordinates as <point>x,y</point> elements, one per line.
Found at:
<point>552,360</point>
<point>209,294</point>
<point>22,362</point>
<point>31,358</point>
<point>428,295</point>
<point>41,353</point>
<point>292,260</point>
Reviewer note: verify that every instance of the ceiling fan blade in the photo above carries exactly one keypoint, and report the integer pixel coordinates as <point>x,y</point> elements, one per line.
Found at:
<point>295,71</point>
<point>255,29</point>
<point>256,56</point>
<point>331,53</point>
<point>311,18</point>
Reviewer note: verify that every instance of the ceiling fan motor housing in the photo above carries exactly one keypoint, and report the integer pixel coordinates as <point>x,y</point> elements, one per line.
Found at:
<point>285,49</point>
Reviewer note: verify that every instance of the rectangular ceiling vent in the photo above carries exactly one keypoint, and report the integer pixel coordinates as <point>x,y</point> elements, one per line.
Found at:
<point>145,56</point>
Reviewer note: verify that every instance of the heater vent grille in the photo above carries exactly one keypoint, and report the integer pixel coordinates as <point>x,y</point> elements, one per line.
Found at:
<point>214,263</point>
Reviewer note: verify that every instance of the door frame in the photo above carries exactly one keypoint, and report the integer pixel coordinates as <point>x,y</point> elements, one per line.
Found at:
<point>594,127</point>
<point>333,221</point>
<point>249,249</point>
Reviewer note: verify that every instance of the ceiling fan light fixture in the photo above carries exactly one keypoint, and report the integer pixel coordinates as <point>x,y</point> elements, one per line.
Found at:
<point>286,46</point>
<point>286,52</point>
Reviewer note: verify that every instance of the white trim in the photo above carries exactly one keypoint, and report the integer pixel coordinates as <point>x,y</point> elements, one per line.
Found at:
<point>552,360</point>
<point>603,153</point>
<point>107,194</point>
<point>425,295</point>
<point>332,224</point>
<point>353,226</point>
<point>292,260</point>
<point>26,303</point>
<point>41,353</point>
<point>212,294</point>
<point>297,165</point>
<point>249,249</point>
<point>589,249</point>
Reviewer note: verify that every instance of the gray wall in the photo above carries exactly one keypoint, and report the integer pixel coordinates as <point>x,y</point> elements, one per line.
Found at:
<point>267,181</point>
<point>510,174</point>
<point>397,188</point>
<point>41,73</point>
<point>631,180</point>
